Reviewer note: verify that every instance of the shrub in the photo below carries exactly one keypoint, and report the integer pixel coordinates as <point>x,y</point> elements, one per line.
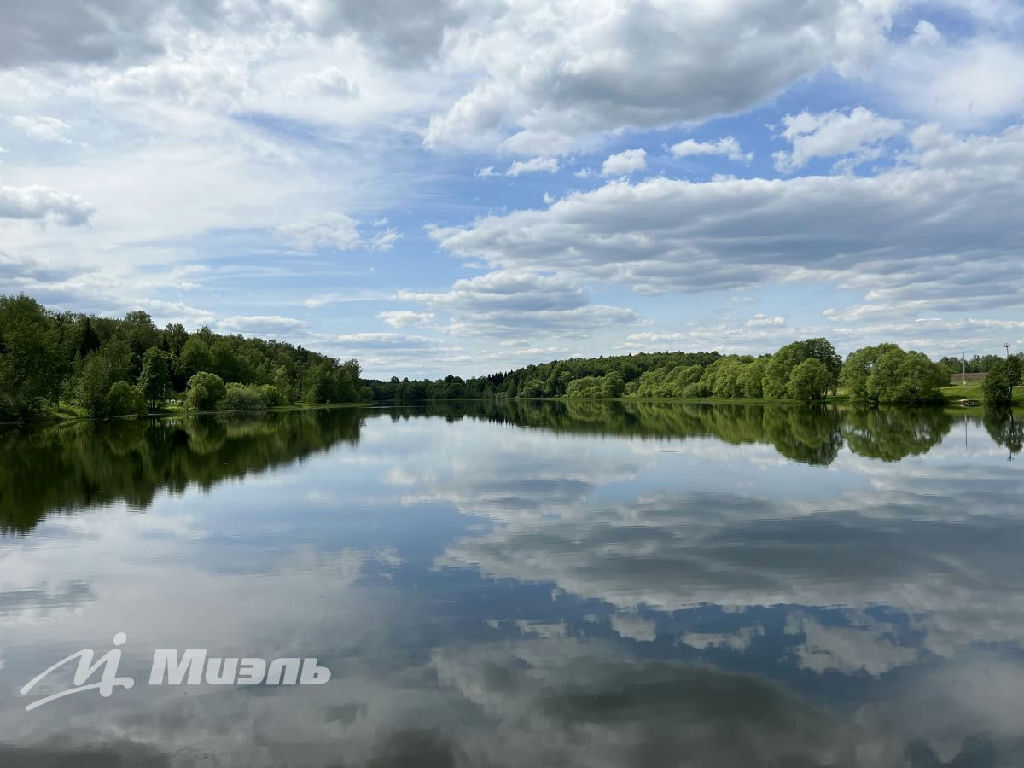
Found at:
<point>241,397</point>
<point>271,396</point>
<point>125,400</point>
<point>205,390</point>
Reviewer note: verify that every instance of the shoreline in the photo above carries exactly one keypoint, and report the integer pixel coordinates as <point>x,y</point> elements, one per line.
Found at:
<point>69,414</point>
<point>65,417</point>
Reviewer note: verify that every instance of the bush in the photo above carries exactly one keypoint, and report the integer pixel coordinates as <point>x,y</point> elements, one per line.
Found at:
<point>271,396</point>
<point>205,390</point>
<point>241,397</point>
<point>125,400</point>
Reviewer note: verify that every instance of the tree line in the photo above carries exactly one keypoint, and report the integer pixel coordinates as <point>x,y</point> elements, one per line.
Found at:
<point>543,380</point>
<point>807,370</point>
<point>128,366</point>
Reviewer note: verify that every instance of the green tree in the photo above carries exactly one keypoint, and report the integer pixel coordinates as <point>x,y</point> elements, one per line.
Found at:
<point>1014,371</point>
<point>29,357</point>
<point>998,384</point>
<point>155,377</point>
<point>195,357</point>
<point>100,370</point>
<point>887,374</point>
<point>751,377</point>
<point>779,368</point>
<point>205,391</point>
<point>858,368</point>
<point>175,335</point>
<point>810,380</point>
<point>139,334</point>
<point>612,385</point>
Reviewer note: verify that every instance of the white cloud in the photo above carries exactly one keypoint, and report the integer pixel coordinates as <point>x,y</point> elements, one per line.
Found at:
<point>260,325</point>
<point>199,124</point>
<point>533,165</point>
<point>728,146</point>
<point>519,291</point>
<point>832,134</point>
<point>930,228</point>
<point>39,202</point>
<point>503,303</point>
<point>354,343</point>
<point>763,321</point>
<point>42,128</point>
<point>624,163</point>
<point>334,230</point>
<point>640,65</point>
<point>330,82</point>
<point>965,81</point>
<point>329,299</point>
<point>385,241</point>
<point>925,33</point>
<point>405,318</point>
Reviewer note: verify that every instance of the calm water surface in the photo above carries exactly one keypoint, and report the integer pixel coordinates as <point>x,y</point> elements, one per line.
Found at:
<point>524,585</point>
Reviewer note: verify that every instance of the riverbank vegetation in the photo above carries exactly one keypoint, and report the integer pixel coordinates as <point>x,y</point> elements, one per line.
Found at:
<point>61,364</point>
<point>67,364</point>
<point>804,371</point>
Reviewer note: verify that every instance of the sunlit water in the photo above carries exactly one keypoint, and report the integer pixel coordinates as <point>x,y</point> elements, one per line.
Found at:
<point>524,585</point>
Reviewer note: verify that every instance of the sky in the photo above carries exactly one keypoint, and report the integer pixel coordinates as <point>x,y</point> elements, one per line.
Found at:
<point>437,186</point>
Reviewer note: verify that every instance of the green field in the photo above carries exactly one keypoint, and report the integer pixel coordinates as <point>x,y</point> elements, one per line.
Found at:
<point>973,391</point>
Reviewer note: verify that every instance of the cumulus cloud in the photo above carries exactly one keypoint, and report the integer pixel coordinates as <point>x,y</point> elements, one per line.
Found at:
<point>833,134</point>
<point>624,163</point>
<point>385,240</point>
<point>658,65</point>
<point>533,165</point>
<point>325,231</point>
<point>930,228</point>
<point>309,106</point>
<point>965,81</point>
<point>39,202</point>
<point>728,146</point>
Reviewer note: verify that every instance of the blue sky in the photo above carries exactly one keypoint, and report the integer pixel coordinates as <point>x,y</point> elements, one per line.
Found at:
<point>443,186</point>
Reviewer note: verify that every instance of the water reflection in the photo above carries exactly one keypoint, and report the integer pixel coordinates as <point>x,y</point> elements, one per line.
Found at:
<point>78,465</point>
<point>508,585</point>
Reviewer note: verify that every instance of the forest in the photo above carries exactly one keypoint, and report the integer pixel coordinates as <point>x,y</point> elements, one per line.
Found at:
<point>807,370</point>
<point>56,361</point>
<point>65,363</point>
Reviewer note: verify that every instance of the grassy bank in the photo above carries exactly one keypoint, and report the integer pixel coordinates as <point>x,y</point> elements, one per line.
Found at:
<point>973,391</point>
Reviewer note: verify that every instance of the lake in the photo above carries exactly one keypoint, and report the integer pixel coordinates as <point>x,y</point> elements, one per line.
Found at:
<point>522,584</point>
